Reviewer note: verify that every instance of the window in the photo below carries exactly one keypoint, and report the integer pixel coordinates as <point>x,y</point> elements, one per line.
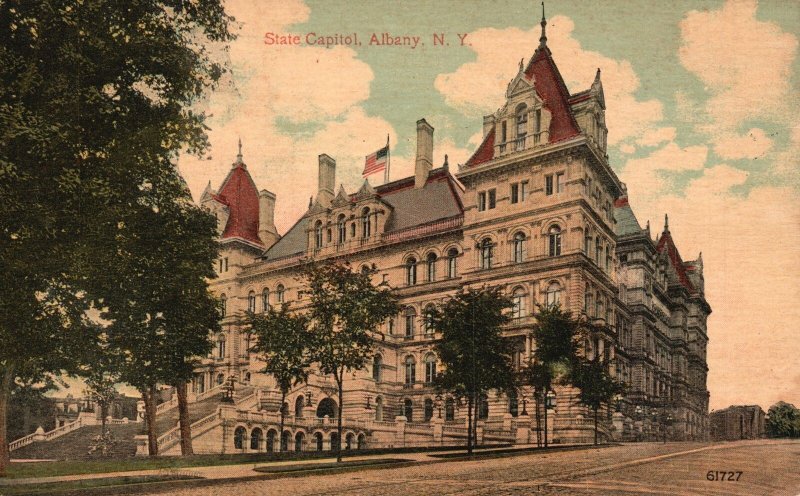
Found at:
<point>587,301</point>
<point>251,301</point>
<point>503,132</point>
<point>238,437</point>
<point>329,236</point>
<point>223,306</point>
<point>519,248</point>
<point>366,227</point>
<point>554,241</point>
<point>280,292</point>
<point>598,313</point>
<point>587,244</point>
<point>538,121</point>
<point>377,364</point>
<point>449,410</point>
<point>515,193</point>
<point>265,299</point>
<point>410,371</point>
<point>452,256</point>
<point>522,121</point>
<point>481,201</point>
<point>548,184</point>
<point>390,326</point>
<point>226,263</point>
<point>598,249</point>
<point>486,253</point>
<point>221,347</point>
<point>430,369</point>
<point>428,409</point>
<point>318,234</point>
<point>342,229</point>
<point>353,230</point>
<point>299,403</point>
<point>560,182</point>
<point>523,191</point>
<point>431,267</point>
<point>411,316</point>
<point>492,198</point>
<point>608,258</point>
<point>411,271</point>
<point>428,320</point>
<point>379,409</point>
<point>553,294</point>
<point>518,309</point>
<point>408,410</point>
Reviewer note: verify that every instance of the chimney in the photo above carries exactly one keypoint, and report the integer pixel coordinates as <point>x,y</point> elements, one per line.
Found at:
<point>266,218</point>
<point>327,179</point>
<point>424,153</point>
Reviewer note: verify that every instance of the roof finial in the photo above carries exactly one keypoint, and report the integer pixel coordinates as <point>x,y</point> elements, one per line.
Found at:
<point>239,155</point>
<point>666,223</point>
<point>543,38</point>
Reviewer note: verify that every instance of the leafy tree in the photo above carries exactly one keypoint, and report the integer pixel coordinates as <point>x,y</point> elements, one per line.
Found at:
<point>783,420</point>
<point>475,356</point>
<point>94,105</point>
<point>29,408</point>
<point>100,387</point>
<point>282,340</point>
<point>345,311</point>
<point>540,378</point>
<point>596,385</point>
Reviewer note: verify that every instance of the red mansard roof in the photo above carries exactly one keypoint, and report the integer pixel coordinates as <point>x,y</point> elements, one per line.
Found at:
<point>485,152</point>
<point>666,243</point>
<point>240,194</point>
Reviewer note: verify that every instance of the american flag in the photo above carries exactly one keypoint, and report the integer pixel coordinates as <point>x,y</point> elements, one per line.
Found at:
<point>376,162</point>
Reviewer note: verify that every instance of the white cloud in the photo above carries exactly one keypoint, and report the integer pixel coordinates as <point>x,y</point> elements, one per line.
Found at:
<point>479,86</point>
<point>653,137</point>
<point>753,144</point>
<point>644,175</point>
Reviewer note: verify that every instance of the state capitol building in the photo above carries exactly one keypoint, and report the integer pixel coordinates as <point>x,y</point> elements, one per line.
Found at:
<point>536,210</point>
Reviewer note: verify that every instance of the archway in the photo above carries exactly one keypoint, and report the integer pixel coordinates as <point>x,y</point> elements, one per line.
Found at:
<point>298,441</point>
<point>238,437</point>
<point>326,407</point>
<point>299,403</point>
<point>255,439</point>
<point>318,440</point>
<point>335,445</point>
<point>286,438</point>
<point>349,441</point>
<point>271,435</point>
<point>362,441</point>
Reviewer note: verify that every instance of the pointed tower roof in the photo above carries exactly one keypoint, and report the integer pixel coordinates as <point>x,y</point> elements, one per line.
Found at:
<point>666,244</point>
<point>627,223</point>
<point>239,193</point>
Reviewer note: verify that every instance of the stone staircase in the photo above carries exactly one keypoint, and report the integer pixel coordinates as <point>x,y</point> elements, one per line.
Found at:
<point>75,445</point>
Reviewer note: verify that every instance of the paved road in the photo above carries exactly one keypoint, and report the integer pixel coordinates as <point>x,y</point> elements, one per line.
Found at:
<point>768,467</point>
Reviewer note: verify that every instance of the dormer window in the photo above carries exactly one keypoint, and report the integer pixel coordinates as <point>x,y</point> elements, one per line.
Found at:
<point>318,234</point>
<point>522,120</point>
<point>366,227</point>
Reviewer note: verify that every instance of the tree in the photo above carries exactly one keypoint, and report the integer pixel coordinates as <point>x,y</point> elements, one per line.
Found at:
<point>283,341</point>
<point>540,378</point>
<point>783,420</point>
<point>345,312</point>
<point>101,389</point>
<point>94,106</point>
<point>473,352</point>
<point>596,385</point>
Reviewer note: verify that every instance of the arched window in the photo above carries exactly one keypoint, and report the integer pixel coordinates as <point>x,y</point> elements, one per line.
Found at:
<point>427,320</point>
<point>379,409</point>
<point>221,346</point>
<point>286,437</point>
<point>265,299</point>
<point>411,317</point>
<point>377,364</point>
<point>299,403</point>
<point>587,243</point>
<point>239,436</point>
<point>587,301</point>
<point>513,403</point>
<point>280,293</point>
<point>449,409</point>
<point>518,307</point>
<point>223,305</point>
<point>519,248</point>
<point>430,267</point>
<point>553,294</point>
<point>408,409</point>
<point>411,271</point>
<point>554,240</point>
<point>220,379</point>
<point>483,407</point>
<point>428,409</point>
<point>271,434</point>
<point>318,440</point>
<point>598,249</point>
<point>247,377</point>
<point>255,439</point>
<point>342,228</point>
<point>251,301</point>
<point>349,440</point>
<point>366,226</point>
<point>318,234</point>
<point>486,253</point>
<point>522,120</point>
<point>411,371</point>
<point>452,256</point>
<point>298,441</point>
<point>362,441</point>
<point>353,230</point>
<point>430,368</point>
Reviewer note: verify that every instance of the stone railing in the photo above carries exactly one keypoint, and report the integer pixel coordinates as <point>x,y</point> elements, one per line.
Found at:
<point>167,405</point>
<point>40,435</point>
<point>208,393</point>
<point>416,231</point>
<point>173,436</point>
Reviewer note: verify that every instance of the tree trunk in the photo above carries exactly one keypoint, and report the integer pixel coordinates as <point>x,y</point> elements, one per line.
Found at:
<point>283,421</point>
<point>7,379</point>
<point>469,424</point>
<point>476,405</point>
<point>103,411</point>
<point>338,447</point>
<point>149,397</point>
<point>183,419</point>
<point>595,426</point>
<point>538,420</point>
<point>545,420</point>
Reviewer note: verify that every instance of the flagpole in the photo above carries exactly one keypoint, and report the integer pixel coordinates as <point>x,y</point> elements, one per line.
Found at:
<point>388,161</point>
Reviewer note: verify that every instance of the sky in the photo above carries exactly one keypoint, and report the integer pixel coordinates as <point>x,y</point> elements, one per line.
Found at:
<point>702,112</point>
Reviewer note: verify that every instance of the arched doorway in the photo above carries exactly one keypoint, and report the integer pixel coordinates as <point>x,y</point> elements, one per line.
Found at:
<point>255,439</point>
<point>286,438</point>
<point>362,441</point>
<point>238,437</point>
<point>318,440</point>
<point>298,441</point>
<point>349,440</point>
<point>271,435</point>
<point>326,407</point>
<point>335,442</point>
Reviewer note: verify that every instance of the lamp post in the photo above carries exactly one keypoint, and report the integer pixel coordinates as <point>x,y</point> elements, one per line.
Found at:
<point>549,397</point>
<point>637,413</point>
<point>438,400</point>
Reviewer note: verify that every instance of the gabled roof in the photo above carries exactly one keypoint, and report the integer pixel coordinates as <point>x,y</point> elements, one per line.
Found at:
<point>239,193</point>
<point>665,243</point>
<point>627,223</point>
<point>485,152</point>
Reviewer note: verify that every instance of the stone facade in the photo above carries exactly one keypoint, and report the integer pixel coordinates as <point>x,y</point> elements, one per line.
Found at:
<point>537,210</point>
<point>738,422</point>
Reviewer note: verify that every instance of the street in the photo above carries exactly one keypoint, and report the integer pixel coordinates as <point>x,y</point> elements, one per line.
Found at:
<point>676,469</point>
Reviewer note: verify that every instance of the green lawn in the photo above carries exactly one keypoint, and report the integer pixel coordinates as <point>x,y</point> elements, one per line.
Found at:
<point>82,485</point>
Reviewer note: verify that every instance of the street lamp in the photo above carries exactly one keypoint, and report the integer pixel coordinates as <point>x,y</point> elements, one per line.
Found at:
<point>438,400</point>
<point>549,397</point>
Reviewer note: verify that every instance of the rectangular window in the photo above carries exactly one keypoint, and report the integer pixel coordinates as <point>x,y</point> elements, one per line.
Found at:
<point>560,182</point>
<point>523,191</point>
<point>515,193</point>
<point>503,132</point>
<point>538,122</point>
<point>548,184</point>
<point>481,201</point>
<point>492,198</point>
